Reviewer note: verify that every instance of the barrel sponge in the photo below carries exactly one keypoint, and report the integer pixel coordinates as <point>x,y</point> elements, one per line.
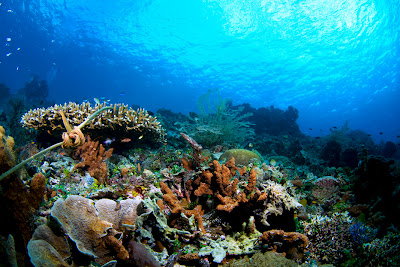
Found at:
<point>80,220</point>
<point>43,254</point>
<point>242,156</point>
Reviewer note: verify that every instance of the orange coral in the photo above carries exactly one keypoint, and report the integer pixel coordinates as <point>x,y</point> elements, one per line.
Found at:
<point>176,206</point>
<point>93,155</point>
<point>219,183</point>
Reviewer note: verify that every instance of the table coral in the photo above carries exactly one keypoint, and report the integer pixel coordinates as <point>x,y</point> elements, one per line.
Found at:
<point>121,120</point>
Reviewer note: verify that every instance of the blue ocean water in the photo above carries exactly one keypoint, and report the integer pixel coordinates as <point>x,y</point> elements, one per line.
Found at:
<point>334,60</point>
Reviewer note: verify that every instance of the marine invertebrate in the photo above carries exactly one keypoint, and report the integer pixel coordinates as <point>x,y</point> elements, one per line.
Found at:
<point>176,206</point>
<point>330,238</point>
<point>93,236</point>
<point>94,156</point>
<point>242,156</point>
<point>222,125</point>
<point>325,188</point>
<point>292,243</point>
<point>118,120</point>
<point>7,156</point>
<point>121,214</point>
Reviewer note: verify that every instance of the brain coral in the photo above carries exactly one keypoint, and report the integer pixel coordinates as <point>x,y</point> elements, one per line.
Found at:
<point>120,120</point>
<point>242,156</point>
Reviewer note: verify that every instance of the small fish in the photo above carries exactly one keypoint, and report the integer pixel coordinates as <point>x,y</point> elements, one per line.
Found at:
<point>251,145</point>
<point>334,127</point>
<point>126,140</point>
<point>122,94</point>
<point>380,133</point>
<point>96,100</point>
<point>272,162</point>
<point>109,141</point>
<point>369,134</point>
<point>310,129</point>
<point>317,137</point>
<point>398,136</point>
<point>140,137</point>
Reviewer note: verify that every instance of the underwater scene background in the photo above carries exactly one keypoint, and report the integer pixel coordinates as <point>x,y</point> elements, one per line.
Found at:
<point>199,133</point>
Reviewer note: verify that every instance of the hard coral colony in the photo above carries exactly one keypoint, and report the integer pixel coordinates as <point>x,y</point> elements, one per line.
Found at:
<point>140,204</point>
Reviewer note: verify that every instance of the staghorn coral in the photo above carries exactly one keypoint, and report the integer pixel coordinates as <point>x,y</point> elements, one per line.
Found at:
<point>93,236</point>
<point>93,155</point>
<point>119,120</point>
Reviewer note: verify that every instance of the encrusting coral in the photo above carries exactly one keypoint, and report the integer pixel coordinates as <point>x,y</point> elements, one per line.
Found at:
<point>119,120</point>
<point>94,155</point>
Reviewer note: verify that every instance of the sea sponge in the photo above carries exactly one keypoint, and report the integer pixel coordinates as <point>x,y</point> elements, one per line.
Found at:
<point>118,213</point>
<point>7,156</point>
<point>43,254</point>
<point>242,156</point>
<point>93,236</point>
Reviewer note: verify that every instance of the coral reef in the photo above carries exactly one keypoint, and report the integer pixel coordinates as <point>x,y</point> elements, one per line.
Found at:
<point>120,121</point>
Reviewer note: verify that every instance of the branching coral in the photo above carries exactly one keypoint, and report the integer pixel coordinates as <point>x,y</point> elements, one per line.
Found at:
<point>93,155</point>
<point>118,120</point>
